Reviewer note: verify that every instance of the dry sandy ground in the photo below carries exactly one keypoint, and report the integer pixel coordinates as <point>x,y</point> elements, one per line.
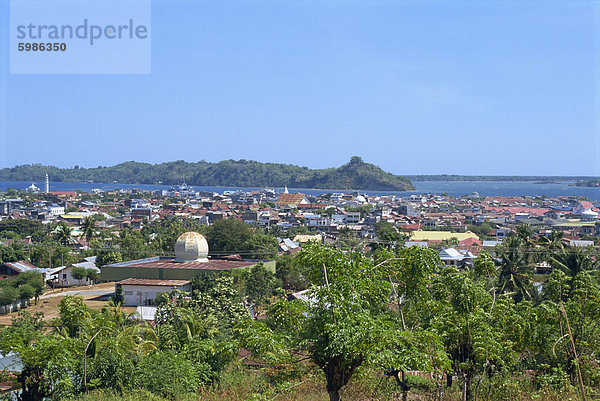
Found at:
<point>48,304</point>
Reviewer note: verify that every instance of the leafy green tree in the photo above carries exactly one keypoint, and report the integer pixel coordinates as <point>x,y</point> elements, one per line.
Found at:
<point>387,232</point>
<point>260,283</point>
<point>107,258</point>
<point>73,314</point>
<point>34,279</point>
<point>525,233</point>
<point>261,247</point>
<point>48,359</point>
<point>26,292</point>
<point>557,287</point>
<point>553,241</point>
<point>40,256</point>
<point>291,273</point>
<point>482,230</point>
<point>228,236</point>
<point>92,275</point>
<point>62,256</point>
<point>565,337</point>
<point>8,295</point>
<point>347,324</point>
<point>78,273</point>
<point>410,271</point>
<point>133,245</point>
<point>474,325</point>
<point>22,227</point>
<point>119,297</point>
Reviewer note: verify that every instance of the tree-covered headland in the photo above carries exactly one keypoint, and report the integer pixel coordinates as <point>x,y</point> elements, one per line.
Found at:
<point>356,174</point>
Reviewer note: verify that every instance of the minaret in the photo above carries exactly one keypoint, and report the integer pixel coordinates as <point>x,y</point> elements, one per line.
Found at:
<point>47,185</point>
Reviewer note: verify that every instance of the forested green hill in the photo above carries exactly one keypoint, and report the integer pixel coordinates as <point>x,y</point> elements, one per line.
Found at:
<point>356,174</point>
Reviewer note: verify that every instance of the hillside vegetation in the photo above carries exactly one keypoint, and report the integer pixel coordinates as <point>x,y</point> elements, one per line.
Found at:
<point>356,174</point>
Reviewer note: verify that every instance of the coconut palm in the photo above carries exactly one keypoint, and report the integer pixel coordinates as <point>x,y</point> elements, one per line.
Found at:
<point>553,241</point>
<point>64,234</point>
<point>525,232</point>
<point>572,260</point>
<point>515,274</point>
<point>89,228</point>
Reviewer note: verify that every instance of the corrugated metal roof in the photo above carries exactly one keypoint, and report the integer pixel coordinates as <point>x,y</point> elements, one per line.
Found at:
<point>23,266</point>
<point>87,265</point>
<point>169,263</point>
<point>152,282</point>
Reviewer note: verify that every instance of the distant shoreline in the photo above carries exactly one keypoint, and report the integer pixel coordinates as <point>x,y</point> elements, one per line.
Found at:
<point>508,178</point>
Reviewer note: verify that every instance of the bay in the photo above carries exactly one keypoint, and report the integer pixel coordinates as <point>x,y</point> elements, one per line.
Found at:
<point>454,188</point>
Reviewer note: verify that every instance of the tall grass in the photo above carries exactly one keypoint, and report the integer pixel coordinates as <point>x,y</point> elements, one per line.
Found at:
<point>255,385</point>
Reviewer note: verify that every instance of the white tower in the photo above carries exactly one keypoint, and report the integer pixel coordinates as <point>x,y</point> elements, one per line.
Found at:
<point>47,185</point>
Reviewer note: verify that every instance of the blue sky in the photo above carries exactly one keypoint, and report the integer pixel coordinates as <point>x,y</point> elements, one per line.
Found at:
<point>416,87</point>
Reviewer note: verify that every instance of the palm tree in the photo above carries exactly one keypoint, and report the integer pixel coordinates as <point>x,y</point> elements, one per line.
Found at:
<point>515,273</point>
<point>572,260</point>
<point>553,241</point>
<point>525,232</point>
<point>64,234</point>
<point>89,228</point>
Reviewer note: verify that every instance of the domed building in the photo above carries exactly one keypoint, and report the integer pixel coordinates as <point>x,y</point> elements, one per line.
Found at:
<point>32,189</point>
<point>191,247</point>
<point>143,279</point>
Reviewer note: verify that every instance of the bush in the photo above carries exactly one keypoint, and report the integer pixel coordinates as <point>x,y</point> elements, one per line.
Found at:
<point>170,374</point>
<point>110,370</point>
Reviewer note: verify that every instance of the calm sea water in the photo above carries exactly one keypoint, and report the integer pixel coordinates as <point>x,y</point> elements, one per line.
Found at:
<point>456,188</point>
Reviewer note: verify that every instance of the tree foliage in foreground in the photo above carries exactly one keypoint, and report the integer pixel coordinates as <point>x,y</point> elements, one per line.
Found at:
<point>390,311</point>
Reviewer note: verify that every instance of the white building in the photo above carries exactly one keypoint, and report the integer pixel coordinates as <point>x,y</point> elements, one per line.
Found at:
<point>55,210</point>
<point>453,257</point>
<point>141,291</point>
<point>32,189</point>
<point>314,220</point>
<point>589,215</point>
<point>62,276</point>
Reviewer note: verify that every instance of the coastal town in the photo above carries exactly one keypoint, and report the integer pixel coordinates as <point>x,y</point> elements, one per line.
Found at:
<point>458,228</point>
<point>299,201</point>
<point>171,261</point>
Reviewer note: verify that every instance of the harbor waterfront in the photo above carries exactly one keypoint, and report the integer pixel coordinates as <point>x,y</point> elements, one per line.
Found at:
<point>453,188</point>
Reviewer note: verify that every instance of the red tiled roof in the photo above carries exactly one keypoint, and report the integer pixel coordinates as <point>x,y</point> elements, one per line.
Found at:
<point>469,242</point>
<point>409,226</point>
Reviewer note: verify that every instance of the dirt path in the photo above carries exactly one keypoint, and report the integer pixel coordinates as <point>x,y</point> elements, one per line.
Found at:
<point>95,296</point>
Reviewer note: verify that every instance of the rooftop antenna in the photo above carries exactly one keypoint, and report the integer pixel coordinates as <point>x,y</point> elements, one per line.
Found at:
<point>47,184</point>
